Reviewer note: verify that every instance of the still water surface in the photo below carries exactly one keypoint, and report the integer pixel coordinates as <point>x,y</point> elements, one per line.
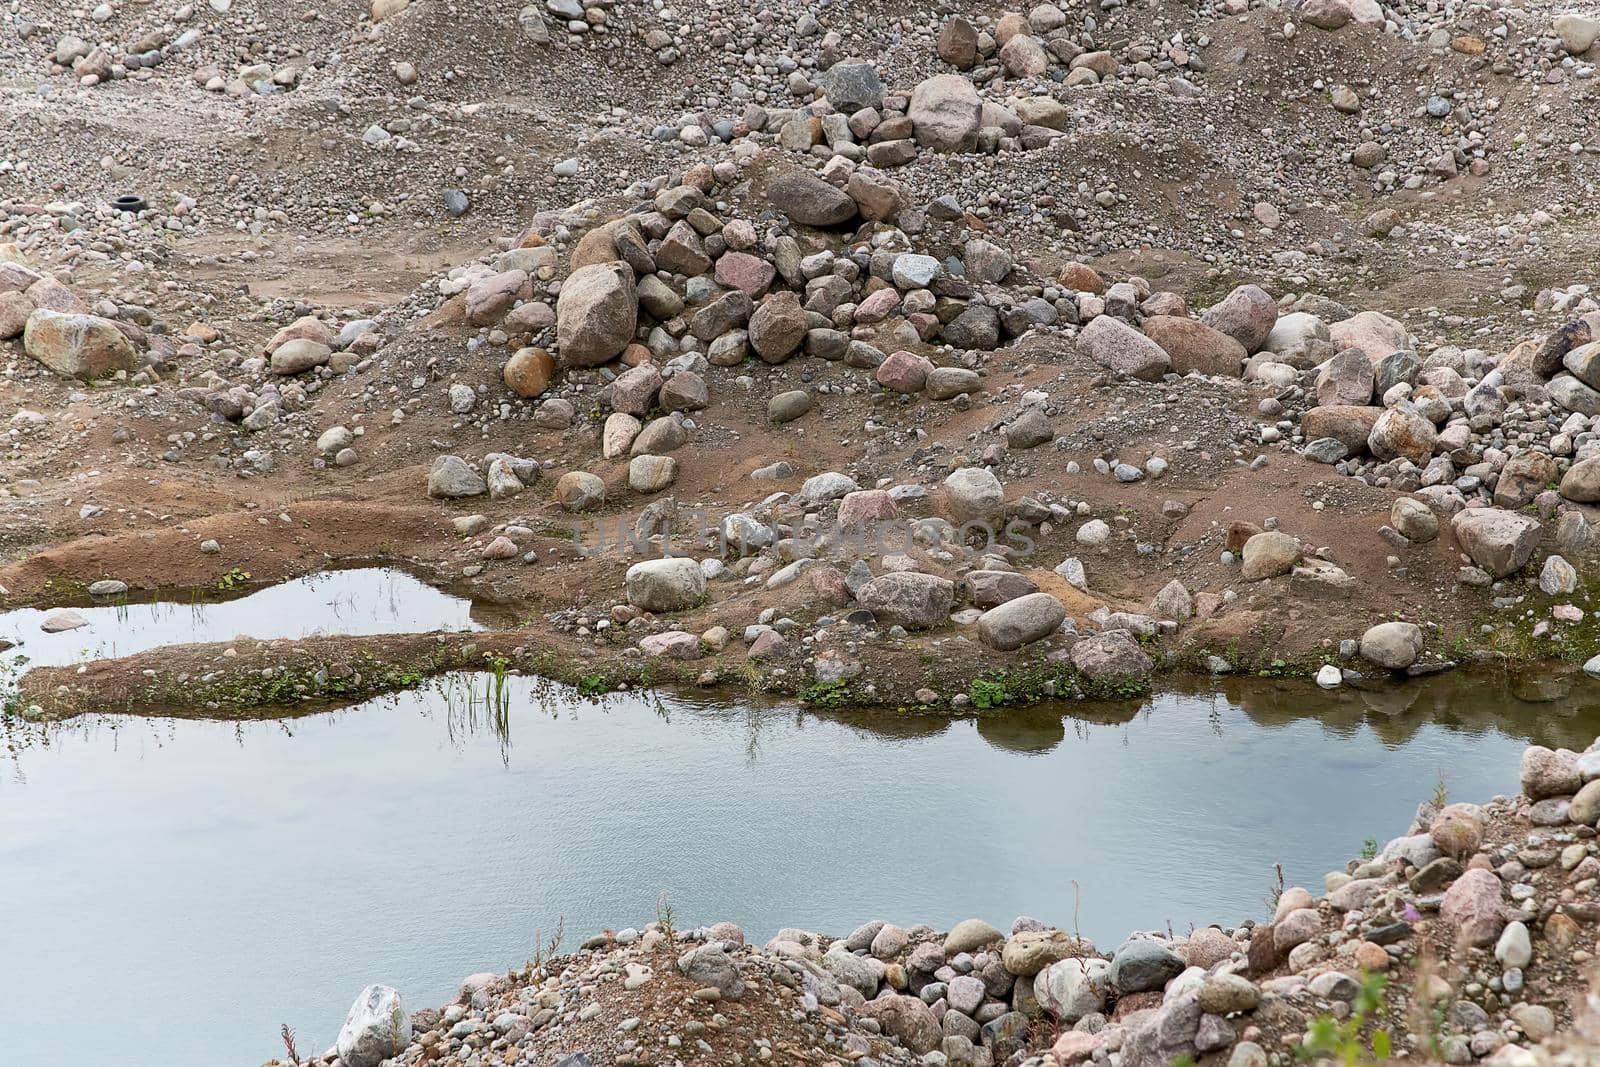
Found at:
<point>176,890</point>
<point>356,602</point>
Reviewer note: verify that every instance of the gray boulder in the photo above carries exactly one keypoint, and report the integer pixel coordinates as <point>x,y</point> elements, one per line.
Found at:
<point>377,1028</point>
<point>452,477</point>
<point>596,314</point>
<point>1113,656</point>
<point>1120,348</point>
<point>1021,621</point>
<point>77,346</point>
<point>1069,989</point>
<point>665,584</point>
<point>908,598</point>
<point>851,85</point>
<point>945,113</point>
<point>1247,315</point>
<point>710,965</point>
<point>810,201</point>
<point>974,493</point>
<point>1143,964</point>
<point>1395,645</point>
<point>1498,541</point>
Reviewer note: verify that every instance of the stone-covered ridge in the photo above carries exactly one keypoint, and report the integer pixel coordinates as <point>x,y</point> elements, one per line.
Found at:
<point>1476,918</point>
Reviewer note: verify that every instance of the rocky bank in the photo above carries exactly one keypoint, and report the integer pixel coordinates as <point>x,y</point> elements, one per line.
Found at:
<point>1470,938</point>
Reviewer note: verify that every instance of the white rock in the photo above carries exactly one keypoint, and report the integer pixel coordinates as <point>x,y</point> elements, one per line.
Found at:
<point>377,1028</point>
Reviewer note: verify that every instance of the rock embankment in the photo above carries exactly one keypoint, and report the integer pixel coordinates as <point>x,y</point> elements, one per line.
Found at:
<point>1468,938</point>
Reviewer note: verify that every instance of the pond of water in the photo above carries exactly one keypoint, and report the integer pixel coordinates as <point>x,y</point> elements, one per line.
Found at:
<point>176,890</point>
<point>361,601</point>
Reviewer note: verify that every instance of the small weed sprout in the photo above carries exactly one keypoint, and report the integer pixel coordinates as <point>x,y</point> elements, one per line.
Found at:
<point>1277,891</point>
<point>1327,1038</point>
<point>664,917</point>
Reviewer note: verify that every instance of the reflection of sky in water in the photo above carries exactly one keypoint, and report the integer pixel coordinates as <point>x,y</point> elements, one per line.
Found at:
<point>369,600</point>
<point>226,878</point>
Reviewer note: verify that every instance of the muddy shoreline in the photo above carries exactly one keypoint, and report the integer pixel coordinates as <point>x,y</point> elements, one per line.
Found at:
<point>264,679</point>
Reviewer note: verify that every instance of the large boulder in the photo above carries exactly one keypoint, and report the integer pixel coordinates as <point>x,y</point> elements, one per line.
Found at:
<point>946,113</point>
<point>77,346</point>
<point>377,1028</point>
<point>969,935</point>
<point>1551,354</point>
<point>1573,395</point>
<point>580,490</point>
<point>1120,348</point>
<point>452,477</point>
<point>665,584</point>
<point>1345,380</point>
<point>1269,554</point>
<point>1415,520</point>
<point>1548,773</point>
<point>1583,361</point>
<point>1191,345</point>
<point>957,44</point>
<point>1071,988</point>
<point>778,327</point>
<point>709,965</point>
<point>908,598</point>
<point>14,311</point>
<point>487,300</point>
<point>1578,34</point>
<point>1395,645</point>
<point>1021,621</point>
<point>1498,541</point>
<point>1349,424</point>
<point>305,328</point>
<point>906,1018</point>
<point>1374,333</point>
<point>810,201</point>
<point>1403,433</point>
<point>1030,951</point>
<point>633,392</point>
<point>1247,315</point>
<point>1524,477</point>
<point>1581,483</point>
<point>299,355</point>
<point>1111,657</point>
<point>851,85</point>
<point>1475,907</point>
<point>904,372</point>
<point>1143,964</point>
<point>596,314</point>
<point>974,493</point>
<point>1295,336</point>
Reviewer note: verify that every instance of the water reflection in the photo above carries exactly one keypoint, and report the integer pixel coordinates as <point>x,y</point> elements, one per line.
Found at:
<point>265,871</point>
<point>356,602</point>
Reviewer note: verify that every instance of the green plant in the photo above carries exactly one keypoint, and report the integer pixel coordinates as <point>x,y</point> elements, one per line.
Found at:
<point>1441,793</point>
<point>1369,848</point>
<point>233,578</point>
<point>1327,1038</point>
<point>986,694</point>
<point>593,685</point>
<point>826,695</point>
